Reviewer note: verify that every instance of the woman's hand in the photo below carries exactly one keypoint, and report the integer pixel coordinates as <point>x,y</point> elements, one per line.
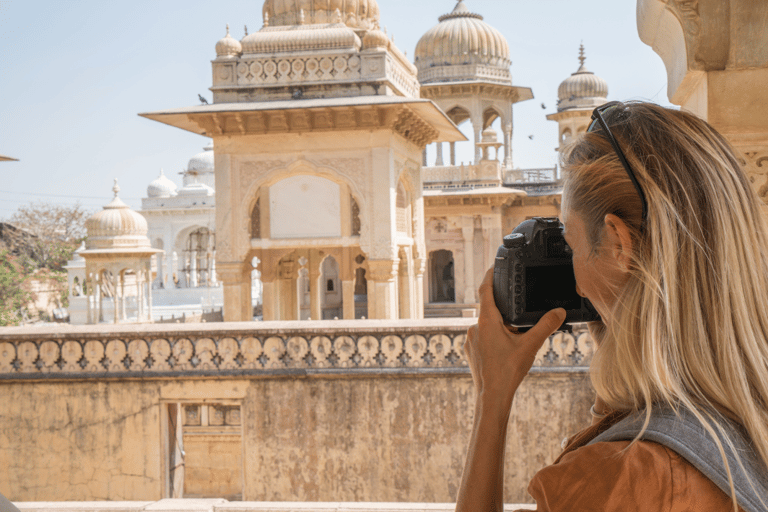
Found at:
<point>500,359</point>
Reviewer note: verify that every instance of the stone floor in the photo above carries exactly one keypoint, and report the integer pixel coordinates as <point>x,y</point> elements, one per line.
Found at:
<point>220,505</point>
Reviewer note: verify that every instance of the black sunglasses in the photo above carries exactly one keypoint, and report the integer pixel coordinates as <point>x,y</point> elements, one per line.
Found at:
<point>597,118</point>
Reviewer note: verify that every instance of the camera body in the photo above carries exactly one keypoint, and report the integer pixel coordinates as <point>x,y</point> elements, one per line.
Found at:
<point>533,274</point>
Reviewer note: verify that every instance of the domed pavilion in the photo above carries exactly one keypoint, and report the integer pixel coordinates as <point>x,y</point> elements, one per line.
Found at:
<point>463,66</point>
<point>118,265</point>
<point>577,97</point>
<point>319,132</point>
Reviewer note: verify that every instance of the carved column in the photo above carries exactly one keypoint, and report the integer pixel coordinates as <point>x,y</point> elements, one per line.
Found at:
<point>508,146</point>
<point>406,284</point>
<point>315,286</point>
<point>453,153</point>
<point>468,234</point>
<point>347,271</point>
<point>149,292</point>
<point>236,279</point>
<point>439,161</point>
<point>382,289</point>
<point>419,266</point>
<point>269,286</point>
<point>477,126</point>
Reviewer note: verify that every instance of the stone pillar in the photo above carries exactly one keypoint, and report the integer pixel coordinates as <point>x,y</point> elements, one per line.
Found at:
<point>424,158</point>
<point>716,58</point>
<point>439,161</point>
<point>468,234</point>
<point>235,277</point>
<point>159,263</point>
<point>382,289</point>
<point>405,284</point>
<point>453,153</point>
<point>269,286</point>
<point>149,296</point>
<point>316,288</point>
<point>347,271</point>
<point>507,146</point>
<point>174,277</point>
<point>193,281</point>
<point>419,266</point>
<point>477,125</point>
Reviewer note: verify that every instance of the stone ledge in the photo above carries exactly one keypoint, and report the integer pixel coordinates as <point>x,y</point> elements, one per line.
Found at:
<point>258,349</point>
<point>220,505</point>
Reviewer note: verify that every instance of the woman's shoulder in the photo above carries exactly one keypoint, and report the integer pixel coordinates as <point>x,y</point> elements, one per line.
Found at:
<point>622,475</point>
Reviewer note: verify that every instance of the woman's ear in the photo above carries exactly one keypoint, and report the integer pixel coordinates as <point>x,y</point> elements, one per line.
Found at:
<point>619,240</point>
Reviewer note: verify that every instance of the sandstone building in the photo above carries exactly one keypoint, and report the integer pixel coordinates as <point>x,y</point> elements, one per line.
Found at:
<point>320,124</point>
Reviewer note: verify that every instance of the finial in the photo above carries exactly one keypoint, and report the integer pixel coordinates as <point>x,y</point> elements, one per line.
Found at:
<point>161,172</point>
<point>301,16</point>
<point>582,57</point>
<point>227,30</point>
<point>337,16</point>
<point>266,19</point>
<point>246,30</point>
<point>385,30</point>
<point>116,188</point>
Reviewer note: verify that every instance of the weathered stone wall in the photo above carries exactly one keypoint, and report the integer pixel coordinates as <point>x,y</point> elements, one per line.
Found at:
<point>394,431</point>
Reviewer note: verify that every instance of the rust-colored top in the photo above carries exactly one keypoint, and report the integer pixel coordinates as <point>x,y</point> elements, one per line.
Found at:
<point>611,476</point>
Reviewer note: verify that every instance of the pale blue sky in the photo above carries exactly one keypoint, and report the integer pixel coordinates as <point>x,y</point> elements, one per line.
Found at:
<point>74,74</point>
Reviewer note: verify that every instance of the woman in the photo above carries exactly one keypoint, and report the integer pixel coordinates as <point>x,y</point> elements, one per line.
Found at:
<point>671,247</point>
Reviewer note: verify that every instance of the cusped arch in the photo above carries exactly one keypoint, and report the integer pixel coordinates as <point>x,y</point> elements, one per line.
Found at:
<point>459,113</point>
<point>299,167</point>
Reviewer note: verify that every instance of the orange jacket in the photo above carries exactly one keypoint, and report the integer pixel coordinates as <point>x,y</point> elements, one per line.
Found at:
<point>615,476</point>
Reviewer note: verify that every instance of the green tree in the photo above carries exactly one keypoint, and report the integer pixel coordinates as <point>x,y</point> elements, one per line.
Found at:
<point>13,297</point>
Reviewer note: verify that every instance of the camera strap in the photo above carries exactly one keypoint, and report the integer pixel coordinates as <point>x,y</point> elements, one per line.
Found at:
<point>684,434</point>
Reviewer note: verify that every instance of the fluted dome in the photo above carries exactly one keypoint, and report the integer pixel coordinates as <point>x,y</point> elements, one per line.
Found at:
<point>116,227</point>
<point>161,187</point>
<point>462,47</point>
<point>357,14</point>
<point>228,46</point>
<point>583,89</point>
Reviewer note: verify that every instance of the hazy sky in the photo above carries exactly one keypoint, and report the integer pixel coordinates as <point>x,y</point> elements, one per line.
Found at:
<point>74,74</point>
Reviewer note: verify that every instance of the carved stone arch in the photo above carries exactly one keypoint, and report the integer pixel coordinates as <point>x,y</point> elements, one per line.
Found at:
<point>459,113</point>
<point>491,113</point>
<point>251,195</point>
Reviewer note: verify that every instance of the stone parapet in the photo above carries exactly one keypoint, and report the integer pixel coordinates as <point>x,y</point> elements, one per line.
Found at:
<point>179,505</point>
<point>258,349</point>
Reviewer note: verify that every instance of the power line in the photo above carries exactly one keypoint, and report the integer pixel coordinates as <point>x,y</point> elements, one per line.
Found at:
<point>61,195</point>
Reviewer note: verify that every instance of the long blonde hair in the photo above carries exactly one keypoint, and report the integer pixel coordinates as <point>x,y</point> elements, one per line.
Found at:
<point>691,326</point>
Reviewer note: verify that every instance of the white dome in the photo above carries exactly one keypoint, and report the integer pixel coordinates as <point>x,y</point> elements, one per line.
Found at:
<point>583,89</point>
<point>465,47</point>
<point>202,162</point>
<point>161,187</point>
<point>116,227</point>
<point>228,46</point>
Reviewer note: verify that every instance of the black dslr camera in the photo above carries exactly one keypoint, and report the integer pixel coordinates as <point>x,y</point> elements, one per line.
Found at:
<point>533,274</point>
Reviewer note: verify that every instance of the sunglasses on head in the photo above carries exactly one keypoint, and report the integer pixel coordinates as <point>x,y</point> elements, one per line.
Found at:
<point>598,122</point>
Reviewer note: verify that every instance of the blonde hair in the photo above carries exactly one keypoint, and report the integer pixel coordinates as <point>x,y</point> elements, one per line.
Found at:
<point>690,328</point>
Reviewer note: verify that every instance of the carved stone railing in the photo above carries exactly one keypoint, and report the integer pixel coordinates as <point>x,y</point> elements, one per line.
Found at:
<point>258,348</point>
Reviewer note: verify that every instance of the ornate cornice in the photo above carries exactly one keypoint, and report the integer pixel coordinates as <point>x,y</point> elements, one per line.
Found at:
<point>399,118</point>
